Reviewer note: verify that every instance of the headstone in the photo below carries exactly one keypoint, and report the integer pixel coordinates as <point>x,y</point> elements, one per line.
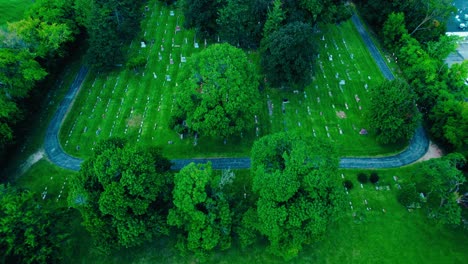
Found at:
<point>196,45</point>
<point>363,132</point>
<point>183,59</point>
<point>362,186</point>
<point>318,99</point>
<point>346,105</point>
<point>143,45</point>
<point>168,78</point>
<point>154,75</point>
<point>171,13</point>
<point>342,82</point>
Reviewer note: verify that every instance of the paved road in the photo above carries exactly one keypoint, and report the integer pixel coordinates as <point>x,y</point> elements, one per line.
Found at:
<point>52,146</point>
<point>416,149</point>
<point>379,60</point>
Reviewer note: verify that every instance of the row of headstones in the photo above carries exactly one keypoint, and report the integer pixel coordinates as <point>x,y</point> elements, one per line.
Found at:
<point>45,192</point>
<point>365,202</point>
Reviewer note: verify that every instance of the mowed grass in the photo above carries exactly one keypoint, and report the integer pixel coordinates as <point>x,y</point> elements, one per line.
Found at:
<point>138,106</point>
<point>328,109</point>
<point>13,10</point>
<point>360,236</point>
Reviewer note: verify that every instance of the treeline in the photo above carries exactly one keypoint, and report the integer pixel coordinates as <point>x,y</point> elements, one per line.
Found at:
<point>281,30</point>
<point>127,196</point>
<point>441,90</point>
<point>39,44</point>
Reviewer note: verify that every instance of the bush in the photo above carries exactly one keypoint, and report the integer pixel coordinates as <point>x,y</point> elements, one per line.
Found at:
<point>362,177</point>
<point>374,177</point>
<point>407,195</point>
<point>348,184</point>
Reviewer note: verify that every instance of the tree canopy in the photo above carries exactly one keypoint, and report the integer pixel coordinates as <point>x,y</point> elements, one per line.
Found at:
<point>218,92</point>
<point>30,232</point>
<point>121,193</point>
<point>287,55</point>
<point>201,210</point>
<point>298,192</point>
<point>393,113</point>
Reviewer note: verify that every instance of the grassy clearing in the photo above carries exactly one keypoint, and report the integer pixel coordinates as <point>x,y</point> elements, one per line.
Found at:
<point>372,236</point>
<point>138,105</point>
<point>13,10</point>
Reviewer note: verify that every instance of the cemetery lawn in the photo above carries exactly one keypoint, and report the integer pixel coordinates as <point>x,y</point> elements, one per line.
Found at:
<point>138,105</point>
<point>13,10</point>
<point>397,236</point>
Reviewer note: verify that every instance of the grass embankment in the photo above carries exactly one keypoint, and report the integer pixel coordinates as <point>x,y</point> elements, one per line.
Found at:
<point>13,10</point>
<point>138,105</point>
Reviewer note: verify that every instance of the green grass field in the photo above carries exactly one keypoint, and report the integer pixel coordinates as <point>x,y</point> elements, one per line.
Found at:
<point>13,10</point>
<point>138,105</point>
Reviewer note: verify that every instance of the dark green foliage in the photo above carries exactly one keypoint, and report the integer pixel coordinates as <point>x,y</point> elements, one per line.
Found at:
<point>108,23</point>
<point>393,113</point>
<point>298,194</point>
<point>348,184</point>
<point>287,55</point>
<point>407,195</point>
<point>374,177</point>
<point>202,15</point>
<point>122,194</point>
<point>30,232</point>
<point>136,62</point>
<point>362,177</point>
<point>240,23</point>
<point>218,92</point>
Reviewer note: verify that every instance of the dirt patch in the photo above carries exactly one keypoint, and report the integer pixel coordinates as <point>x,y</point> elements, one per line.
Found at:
<point>341,114</point>
<point>31,161</point>
<point>432,152</point>
<point>134,121</point>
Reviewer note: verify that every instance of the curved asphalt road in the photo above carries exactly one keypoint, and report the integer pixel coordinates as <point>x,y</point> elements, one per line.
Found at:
<point>416,149</point>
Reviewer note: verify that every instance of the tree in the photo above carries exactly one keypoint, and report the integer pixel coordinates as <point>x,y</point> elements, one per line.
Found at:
<point>9,115</point>
<point>407,195</point>
<point>362,177</point>
<point>202,15</point>
<point>201,210</point>
<point>30,232</point>
<point>240,23</point>
<point>441,182</point>
<point>298,191</point>
<point>136,63</point>
<point>218,92</point>
<point>18,72</point>
<point>393,31</point>
<point>122,194</point>
<point>374,177</point>
<point>393,113</point>
<point>108,23</point>
<point>275,18</point>
<point>287,55</point>
<point>326,11</point>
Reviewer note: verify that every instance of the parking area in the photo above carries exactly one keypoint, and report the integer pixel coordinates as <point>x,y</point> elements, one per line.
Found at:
<point>458,18</point>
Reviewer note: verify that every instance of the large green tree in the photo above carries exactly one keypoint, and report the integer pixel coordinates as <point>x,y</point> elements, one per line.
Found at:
<point>287,55</point>
<point>30,232</point>
<point>201,210</point>
<point>240,23</point>
<point>298,193</point>
<point>122,194</point>
<point>441,182</point>
<point>218,92</point>
<point>393,113</point>
<point>202,15</point>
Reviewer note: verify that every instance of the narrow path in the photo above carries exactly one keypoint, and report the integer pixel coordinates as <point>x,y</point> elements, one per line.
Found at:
<point>416,149</point>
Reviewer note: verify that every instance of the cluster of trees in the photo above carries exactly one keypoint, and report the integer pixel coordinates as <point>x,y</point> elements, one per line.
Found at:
<point>426,19</point>
<point>128,196</point>
<point>30,231</point>
<point>440,90</point>
<point>440,181</point>
<point>283,30</point>
<point>29,48</point>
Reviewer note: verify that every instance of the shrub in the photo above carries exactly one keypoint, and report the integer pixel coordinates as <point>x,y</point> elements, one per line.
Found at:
<point>348,184</point>
<point>362,177</point>
<point>407,195</point>
<point>374,177</point>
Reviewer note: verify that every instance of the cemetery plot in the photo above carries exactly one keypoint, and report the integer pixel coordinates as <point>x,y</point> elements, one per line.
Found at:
<point>137,103</point>
<point>334,105</point>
